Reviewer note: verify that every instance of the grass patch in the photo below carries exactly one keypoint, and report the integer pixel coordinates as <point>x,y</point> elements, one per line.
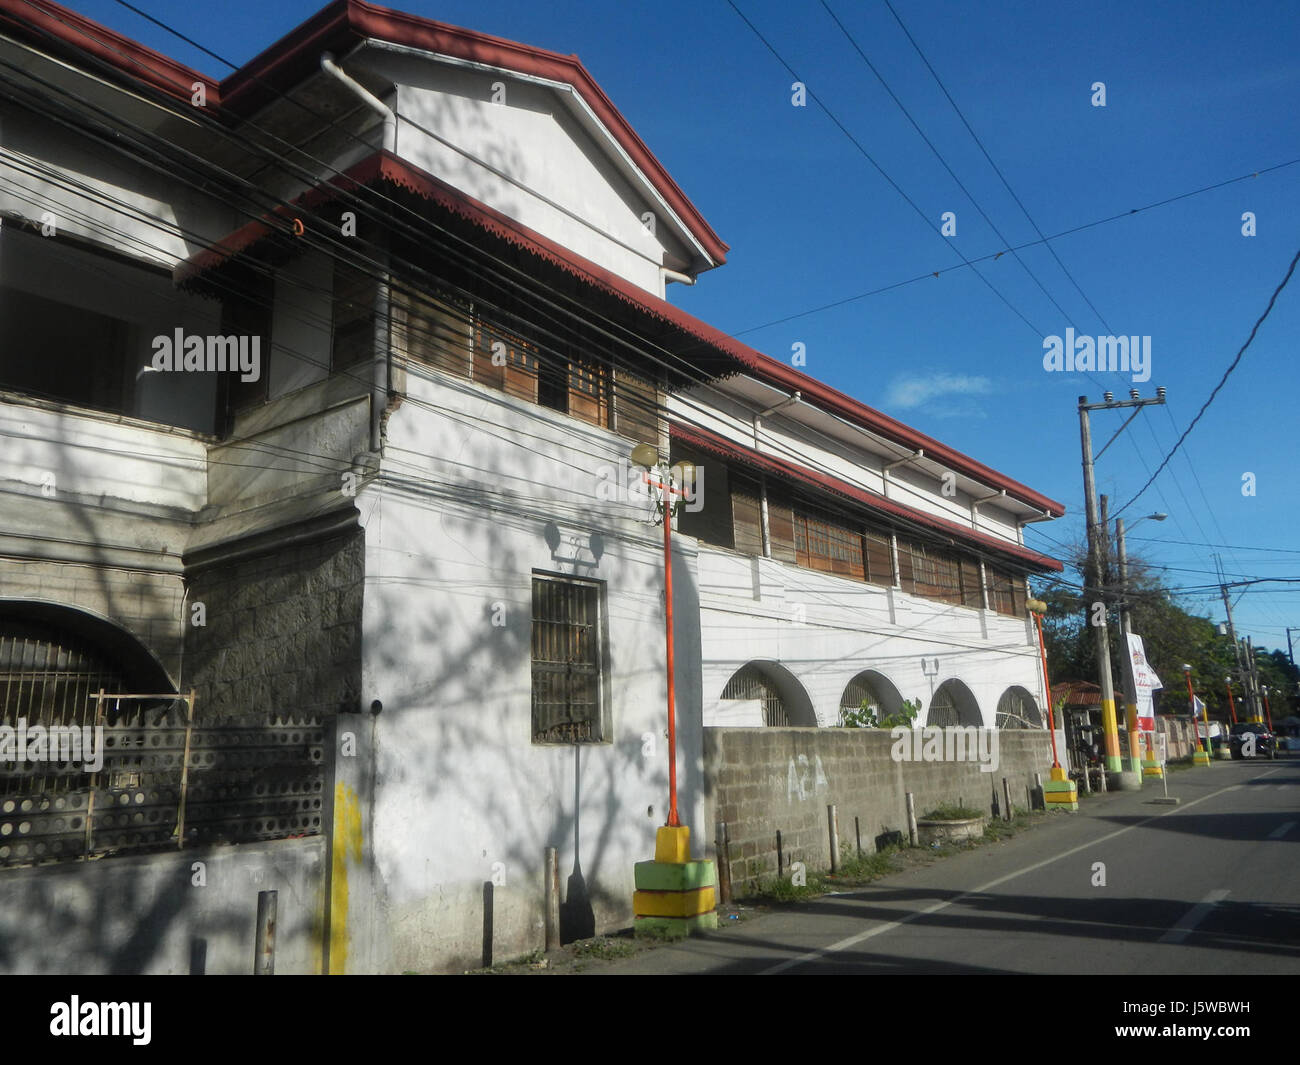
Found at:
<point>951,813</point>
<point>863,868</point>
<point>603,947</point>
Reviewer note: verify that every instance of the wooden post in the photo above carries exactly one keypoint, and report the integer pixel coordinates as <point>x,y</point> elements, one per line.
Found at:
<point>264,951</point>
<point>1038,791</point>
<point>833,823</point>
<point>185,771</point>
<point>857,833</point>
<point>723,846</point>
<point>1006,795</point>
<point>552,878</point>
<point>780,860</point>
<point>912,837</point>
<point>94,781</point>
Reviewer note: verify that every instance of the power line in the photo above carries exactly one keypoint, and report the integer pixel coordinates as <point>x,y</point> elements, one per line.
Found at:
<point>879,169</point>
<point>1222,381</point>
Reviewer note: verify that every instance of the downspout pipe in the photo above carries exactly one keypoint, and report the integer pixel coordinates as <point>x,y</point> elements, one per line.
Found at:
<point>382,379</point>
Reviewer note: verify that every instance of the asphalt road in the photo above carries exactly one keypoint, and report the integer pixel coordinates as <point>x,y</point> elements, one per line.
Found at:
<point>1211,886</point>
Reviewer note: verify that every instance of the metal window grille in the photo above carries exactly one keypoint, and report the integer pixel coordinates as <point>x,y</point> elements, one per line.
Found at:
<point>164,782</point>
<point>1016,709</point>
<point>749,682</point>
<point>566,638</point>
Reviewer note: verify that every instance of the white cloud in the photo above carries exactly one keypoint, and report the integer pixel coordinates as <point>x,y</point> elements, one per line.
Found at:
<point>909,392</point>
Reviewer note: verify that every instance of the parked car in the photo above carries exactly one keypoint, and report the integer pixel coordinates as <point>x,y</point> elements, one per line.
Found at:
<point>1264,744</point>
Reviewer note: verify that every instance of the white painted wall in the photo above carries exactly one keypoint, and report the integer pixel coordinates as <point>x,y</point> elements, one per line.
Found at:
<point>558,180</point>
<point>826,629</point>
<point>471,479</point>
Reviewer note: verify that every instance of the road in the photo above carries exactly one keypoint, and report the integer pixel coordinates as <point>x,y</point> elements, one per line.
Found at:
<point>1211,886</point>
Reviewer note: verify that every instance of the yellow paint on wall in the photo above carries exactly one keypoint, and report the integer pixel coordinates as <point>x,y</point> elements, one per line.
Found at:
<point>346,844</point>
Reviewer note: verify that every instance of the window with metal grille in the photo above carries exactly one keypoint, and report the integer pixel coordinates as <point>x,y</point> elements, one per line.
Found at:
<point>48,678</point>
<point>567,638</point>
<point>1017,709</point>
<point>750,682</point>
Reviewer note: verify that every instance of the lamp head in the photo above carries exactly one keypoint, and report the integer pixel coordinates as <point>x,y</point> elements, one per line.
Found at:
<point>646,455</point>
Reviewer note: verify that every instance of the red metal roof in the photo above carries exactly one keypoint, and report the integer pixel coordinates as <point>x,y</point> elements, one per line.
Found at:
<point>727,449</point>
<point>337,28</point>
<point>388,167</point>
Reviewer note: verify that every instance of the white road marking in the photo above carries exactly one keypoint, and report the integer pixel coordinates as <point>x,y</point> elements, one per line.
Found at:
<point>1194,916</point>
<point>1281,830</point>
<point>889,926</point>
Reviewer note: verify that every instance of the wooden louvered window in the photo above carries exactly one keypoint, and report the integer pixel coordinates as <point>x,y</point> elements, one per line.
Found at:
<point>636,408</point>
<point>506,362</point>
<point>435,330</point>
<point>1006,592</point>
<point>588,392</point>
<point>746,516</point>
<point>972,588</point>
<point>825,544</point>
<point>781,525</point>
<point>879,558</point>
<point>567,661</point>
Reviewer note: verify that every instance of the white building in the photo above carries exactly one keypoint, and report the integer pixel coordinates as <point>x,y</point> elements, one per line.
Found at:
<point>396,561</point>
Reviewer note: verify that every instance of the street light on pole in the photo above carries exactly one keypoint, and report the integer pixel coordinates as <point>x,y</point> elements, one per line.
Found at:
<point>1232,706</point>
<point>673,894</point>
<point>1060,792</point>
<point>647,455</point>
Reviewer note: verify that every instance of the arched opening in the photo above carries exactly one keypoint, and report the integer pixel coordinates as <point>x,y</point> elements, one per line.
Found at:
<point>784,701</point>
<point>1018,709</point>
<point>873,690</point>
<point>54,659</point>
<point>954,704</point>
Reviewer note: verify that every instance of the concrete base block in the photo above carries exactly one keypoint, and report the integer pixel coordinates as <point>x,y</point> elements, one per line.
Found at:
<point>1200,758</point>
<point>1124,780</point>
<point>675,927</point>
<point>1060,794</point>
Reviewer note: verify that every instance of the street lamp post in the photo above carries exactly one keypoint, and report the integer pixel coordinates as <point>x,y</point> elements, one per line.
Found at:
<point>648,456</point>
<point>1232,705</point>
<point>673,894</point>
<point>1060,792</point>
<point>1267,709</point>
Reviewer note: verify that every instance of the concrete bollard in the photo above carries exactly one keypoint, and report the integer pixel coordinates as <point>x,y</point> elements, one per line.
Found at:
<point>912,837</point>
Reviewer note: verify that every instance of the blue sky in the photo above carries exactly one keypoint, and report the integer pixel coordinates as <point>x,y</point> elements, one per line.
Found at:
<point>1196,93</point>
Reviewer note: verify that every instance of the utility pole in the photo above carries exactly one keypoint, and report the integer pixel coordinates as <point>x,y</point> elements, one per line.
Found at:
<point>1094,582</point>
<point>1125,627</point>
<point>1254,679</point>
<point>1236,647</point>
<point>1290,651</point>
